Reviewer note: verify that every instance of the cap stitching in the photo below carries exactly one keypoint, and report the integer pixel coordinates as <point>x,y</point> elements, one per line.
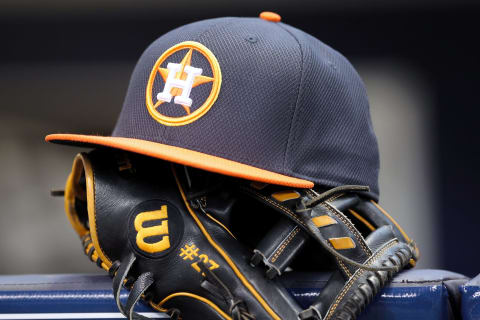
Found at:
<point>290,131</point>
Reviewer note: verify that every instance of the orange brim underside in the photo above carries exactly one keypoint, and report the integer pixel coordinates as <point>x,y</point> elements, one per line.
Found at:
<point>186,157</point>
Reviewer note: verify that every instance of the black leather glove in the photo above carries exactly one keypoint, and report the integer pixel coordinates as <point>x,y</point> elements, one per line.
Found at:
<point>201,245</point>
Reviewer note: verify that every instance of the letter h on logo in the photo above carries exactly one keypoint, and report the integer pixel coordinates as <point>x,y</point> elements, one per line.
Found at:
<point>174,81</point>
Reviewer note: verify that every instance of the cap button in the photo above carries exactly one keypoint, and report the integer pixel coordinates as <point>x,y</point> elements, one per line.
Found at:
<point>270,16</point>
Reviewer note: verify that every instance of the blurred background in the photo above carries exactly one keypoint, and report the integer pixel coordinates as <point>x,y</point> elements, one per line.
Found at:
<point>65,67</point>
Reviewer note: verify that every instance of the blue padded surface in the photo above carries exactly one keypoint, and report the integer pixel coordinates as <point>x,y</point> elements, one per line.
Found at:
<point>471,299</point>
<point>63,296</point>
<point>413,294</point>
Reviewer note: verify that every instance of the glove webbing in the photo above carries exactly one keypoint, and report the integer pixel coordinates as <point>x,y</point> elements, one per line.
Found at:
<point>303,212</point>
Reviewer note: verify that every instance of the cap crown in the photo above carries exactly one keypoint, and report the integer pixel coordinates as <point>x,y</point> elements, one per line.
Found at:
<point>286,102</point>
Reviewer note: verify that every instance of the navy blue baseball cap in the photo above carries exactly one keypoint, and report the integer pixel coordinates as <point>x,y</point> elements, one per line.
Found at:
<point>248,97</point>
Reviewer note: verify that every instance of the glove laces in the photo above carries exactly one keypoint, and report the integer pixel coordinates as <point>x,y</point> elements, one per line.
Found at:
<point>236,307</point>
<point>119,271</point>
<point>306,206</point>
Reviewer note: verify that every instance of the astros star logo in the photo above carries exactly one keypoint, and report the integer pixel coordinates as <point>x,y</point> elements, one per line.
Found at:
<point>178,81</point>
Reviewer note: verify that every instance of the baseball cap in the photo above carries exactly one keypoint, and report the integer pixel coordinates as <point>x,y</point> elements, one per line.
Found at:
<point>252,98</point>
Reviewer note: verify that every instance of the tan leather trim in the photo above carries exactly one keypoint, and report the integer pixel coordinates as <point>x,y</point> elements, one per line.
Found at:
<point>362,219</point>
<point>90,182</point>
<point>190,295</point>
<point>342,243</point>
<point>70,189</point>
<point>225,256</point>
<point>323,221</point>
<point>282,196</point>
<point>356,275</point>
<point>221,225</point>
<point>391,219</point>
<point>407,238</point>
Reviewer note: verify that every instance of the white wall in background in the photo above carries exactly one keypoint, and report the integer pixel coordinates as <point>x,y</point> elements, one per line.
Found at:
<point>401,110</point>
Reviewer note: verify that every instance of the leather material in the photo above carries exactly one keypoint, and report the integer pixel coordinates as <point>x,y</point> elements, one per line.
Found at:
<point>340,208</point>
<point>173,271</point>
<point>350,289</point>
<point>345,298</point>
<point>343,227</point>
<point>414,294</point>
<point>378,218</point>
<point>379,237</point>
<point>364,285</point>
<point>142,283</point>
<point>164,232</point>
<point>118,280</point>
<point>194,310</point>
<point>279,247</point>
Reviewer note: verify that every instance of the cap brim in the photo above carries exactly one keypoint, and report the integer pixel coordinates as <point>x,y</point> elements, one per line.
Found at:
<point>182,156</point>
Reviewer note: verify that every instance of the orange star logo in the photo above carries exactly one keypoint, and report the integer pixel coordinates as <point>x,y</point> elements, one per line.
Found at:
<point>180,83</point>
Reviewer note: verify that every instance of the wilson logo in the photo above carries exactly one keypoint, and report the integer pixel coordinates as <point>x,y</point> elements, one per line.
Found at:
<point>160,230</point>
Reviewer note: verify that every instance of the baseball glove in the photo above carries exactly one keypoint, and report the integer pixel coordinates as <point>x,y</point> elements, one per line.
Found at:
<point>193,243</point>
